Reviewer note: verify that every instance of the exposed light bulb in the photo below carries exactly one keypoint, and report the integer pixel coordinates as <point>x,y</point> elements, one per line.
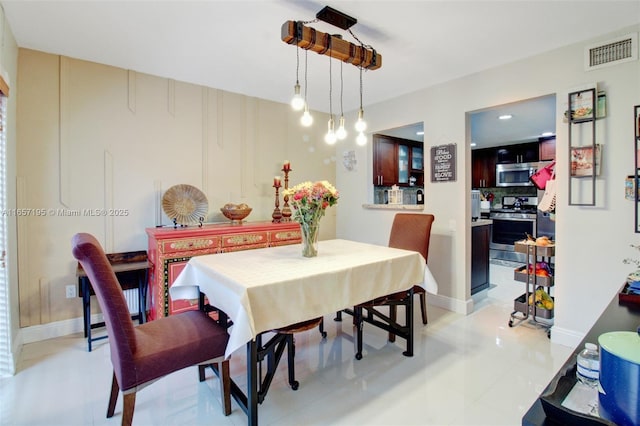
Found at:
<point>361,125</point>
<point>341,133</point>
<point>330,138</point>
<point>306,120</point>
<point>361,139</point>
<point>297,102</point>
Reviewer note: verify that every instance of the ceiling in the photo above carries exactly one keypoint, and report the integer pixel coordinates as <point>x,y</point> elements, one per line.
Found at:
<point>236,45</point>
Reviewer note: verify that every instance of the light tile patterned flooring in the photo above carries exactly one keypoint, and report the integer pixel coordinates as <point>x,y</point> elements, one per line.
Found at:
<point>467,370</point>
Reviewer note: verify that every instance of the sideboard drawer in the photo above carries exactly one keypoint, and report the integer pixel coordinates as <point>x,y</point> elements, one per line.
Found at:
<point>189,244</point>
<point>248,239</point>
<point>284,236</point>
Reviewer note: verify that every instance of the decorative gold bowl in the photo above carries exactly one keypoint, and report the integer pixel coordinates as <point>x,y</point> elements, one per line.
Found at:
<point>236,212</point>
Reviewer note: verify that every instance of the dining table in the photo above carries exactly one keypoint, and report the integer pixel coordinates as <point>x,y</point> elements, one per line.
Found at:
<point>261,290</point>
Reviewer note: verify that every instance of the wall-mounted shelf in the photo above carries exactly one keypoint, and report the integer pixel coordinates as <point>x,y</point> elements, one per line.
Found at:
<point>583,157</point>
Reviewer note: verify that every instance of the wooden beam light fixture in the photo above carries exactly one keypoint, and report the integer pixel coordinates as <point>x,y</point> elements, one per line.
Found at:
<point>360,55</point>
<point>364,57</point>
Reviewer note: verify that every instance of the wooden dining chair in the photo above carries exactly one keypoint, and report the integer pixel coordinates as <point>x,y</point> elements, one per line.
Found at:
<point>147,352</point>
<point>409,231</point>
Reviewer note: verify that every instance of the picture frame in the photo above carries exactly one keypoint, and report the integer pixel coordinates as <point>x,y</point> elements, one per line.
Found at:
<point>583,161</point>
<point>582,105</point>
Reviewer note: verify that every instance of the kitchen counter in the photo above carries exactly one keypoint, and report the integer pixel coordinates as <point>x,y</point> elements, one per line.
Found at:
<point>414,207</point>
<point>481,222</point>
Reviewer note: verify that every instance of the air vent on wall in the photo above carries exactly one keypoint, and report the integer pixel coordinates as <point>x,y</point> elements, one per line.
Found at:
<point>612,52</point>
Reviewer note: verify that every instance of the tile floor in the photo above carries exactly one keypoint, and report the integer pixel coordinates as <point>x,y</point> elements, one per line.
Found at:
<point>467,370</point>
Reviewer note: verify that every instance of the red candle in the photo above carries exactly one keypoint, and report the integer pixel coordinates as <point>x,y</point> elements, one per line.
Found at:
<point>287,166</point>
<point>276,182</point>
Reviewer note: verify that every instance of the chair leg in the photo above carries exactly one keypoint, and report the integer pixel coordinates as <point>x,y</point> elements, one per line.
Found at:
<point>127,411</point>
<point>201,375</point>
<point>291,356</point>
<point>225,386</point>
<point>113,398</point>
<point>423,307</point>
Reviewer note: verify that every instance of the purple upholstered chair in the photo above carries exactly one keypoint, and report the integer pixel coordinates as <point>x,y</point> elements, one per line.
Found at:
<point>142,354</point>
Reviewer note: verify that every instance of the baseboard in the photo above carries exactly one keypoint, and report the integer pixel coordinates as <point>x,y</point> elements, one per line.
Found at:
<point>51,330</point>
<point>464,307</point>
<point>565,337</point>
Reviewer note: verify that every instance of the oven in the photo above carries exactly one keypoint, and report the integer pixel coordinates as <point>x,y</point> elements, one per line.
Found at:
<point>513,222</point>
<point>509,227</point>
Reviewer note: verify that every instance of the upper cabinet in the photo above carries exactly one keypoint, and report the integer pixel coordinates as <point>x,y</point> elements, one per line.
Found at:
<point>519,153</point>
<point>547,150</point>
<point>396,161</point>
<point>483,173</point>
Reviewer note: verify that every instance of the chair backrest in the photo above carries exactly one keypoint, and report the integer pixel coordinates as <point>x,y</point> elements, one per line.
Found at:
<point>88,251</point>
<point>412,231</point>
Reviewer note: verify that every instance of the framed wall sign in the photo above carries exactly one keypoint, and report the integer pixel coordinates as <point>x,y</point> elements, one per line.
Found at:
<point>443,163</point>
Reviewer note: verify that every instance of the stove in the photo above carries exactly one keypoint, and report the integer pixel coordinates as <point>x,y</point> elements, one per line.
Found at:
<point>513,222</point>
<point>518,204</point>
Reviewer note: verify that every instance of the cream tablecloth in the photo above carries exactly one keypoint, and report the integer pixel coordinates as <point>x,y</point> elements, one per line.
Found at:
<point>268,288</point>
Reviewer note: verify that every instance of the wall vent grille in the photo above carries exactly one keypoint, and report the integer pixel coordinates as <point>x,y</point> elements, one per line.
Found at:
<point>612,52</point>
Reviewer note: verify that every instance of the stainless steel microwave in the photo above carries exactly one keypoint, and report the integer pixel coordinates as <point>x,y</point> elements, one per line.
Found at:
<point>515,174</point>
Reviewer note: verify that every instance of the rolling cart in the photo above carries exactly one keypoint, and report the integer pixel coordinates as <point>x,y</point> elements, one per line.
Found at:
<point>525,307</point>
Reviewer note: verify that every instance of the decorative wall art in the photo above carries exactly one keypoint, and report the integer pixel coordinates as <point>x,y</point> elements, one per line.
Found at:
<point>443,163</point>
<point>582,161</point>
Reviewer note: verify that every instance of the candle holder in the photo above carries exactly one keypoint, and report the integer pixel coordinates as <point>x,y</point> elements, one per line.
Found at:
<point>286,210</point>
<point>277,214</point>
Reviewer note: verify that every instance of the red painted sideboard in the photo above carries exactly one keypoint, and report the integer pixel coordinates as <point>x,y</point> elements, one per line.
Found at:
<point>171,248</point>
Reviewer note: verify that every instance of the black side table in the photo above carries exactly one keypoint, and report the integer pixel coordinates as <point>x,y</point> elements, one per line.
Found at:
<point>132,271</point>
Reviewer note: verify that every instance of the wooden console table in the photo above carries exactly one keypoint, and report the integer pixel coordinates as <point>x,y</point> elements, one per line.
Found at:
<point>171,248</point>
<point>131,269</point>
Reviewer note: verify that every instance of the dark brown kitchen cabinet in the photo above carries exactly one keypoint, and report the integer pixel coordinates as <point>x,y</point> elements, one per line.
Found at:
<point>480,236</point>
<point>396,160</point>
<point>547,150</point>
<point>385,163</point>
<point>518,153</point>
<point>483,169</point>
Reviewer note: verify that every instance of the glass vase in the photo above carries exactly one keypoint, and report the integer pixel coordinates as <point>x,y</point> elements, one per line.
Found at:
<point>309,233</point>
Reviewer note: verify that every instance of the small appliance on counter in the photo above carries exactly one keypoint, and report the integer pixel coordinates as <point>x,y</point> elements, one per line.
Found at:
<point>475,205</point>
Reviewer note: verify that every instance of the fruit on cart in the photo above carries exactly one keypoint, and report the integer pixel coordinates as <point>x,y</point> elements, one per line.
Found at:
<point>543,241</point>
<point>542,299</point>
<point>542,269</point>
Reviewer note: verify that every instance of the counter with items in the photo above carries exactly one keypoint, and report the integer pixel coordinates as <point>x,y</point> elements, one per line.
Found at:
<point>548,409</point>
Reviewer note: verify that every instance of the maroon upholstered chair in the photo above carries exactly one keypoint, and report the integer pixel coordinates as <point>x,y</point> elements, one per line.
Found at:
<point>409,231</point>
<point>143,354</point>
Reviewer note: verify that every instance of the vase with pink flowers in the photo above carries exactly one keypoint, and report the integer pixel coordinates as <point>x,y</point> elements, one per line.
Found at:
<point>309,201</point>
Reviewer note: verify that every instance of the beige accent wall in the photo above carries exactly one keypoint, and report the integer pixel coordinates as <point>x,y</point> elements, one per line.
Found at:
<point>92,136</point>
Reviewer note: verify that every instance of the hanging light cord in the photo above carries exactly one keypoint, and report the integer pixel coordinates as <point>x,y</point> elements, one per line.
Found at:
<point>360,87</point>
<point>305,76</point>
<point>341,90</point>
<point>297,63</point>
<point>330,83</point>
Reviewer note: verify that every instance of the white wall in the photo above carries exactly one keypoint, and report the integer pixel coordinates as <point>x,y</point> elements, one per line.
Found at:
<point>592,241</point>
<point>93,136</point>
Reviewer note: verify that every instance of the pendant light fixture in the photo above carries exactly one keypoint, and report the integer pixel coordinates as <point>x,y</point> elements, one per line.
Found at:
<point>341,133</point>
<point>330,138</point>
<point>359,54</point>
<point>297,103</point>
<point>306,120</point>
